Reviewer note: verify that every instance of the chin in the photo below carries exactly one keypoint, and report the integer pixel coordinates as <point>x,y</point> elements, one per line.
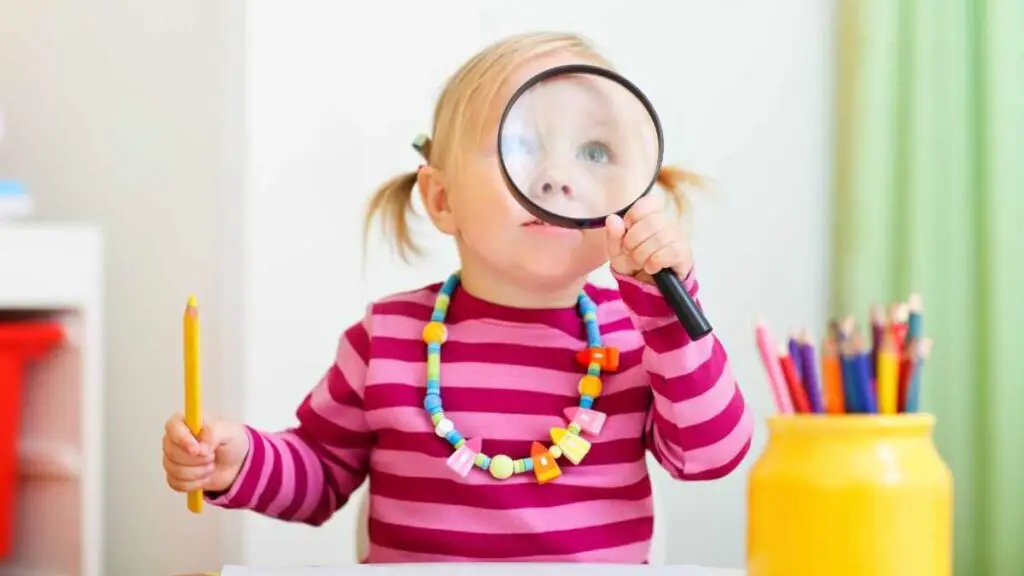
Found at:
<point>555,272</point>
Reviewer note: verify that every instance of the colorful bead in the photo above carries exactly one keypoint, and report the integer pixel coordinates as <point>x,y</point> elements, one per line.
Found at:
<point>589,386</point>
<point>590,421</point>
<point>606,358</point>
<point>434,367</point>
<point>545,468</point>
<point>573,446</point>
<point>444,427</point>
<point>435,333</point>
<point>432,403</point>
<point>566,441</point>
<point>461,462</point>
<point>501,467</point>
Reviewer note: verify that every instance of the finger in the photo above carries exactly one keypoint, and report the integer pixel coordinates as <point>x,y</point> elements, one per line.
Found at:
<point>187,473</point>
<point>616,229</point>
<point>642,230</point>
<point>182,457</point>
<point>650,246</point>
<point>179,433</point>
<point>668,256</point>
<point>648,204</point>
<point>180,485</point>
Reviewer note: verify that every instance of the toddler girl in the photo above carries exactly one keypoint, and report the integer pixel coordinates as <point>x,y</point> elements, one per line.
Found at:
<point>504,414</point>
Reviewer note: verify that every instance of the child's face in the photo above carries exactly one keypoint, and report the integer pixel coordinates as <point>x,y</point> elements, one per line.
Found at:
<point>495,230</point>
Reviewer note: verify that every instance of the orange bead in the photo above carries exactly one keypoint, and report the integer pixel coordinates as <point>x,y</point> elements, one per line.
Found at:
<point>435,333</point>
<point>590,386</point>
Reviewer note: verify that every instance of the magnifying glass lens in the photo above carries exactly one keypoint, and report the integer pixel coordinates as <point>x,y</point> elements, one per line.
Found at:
<point>579,146</point>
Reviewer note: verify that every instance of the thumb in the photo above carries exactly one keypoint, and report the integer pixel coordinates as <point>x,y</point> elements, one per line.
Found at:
<point>616,230</point>
<point>214,435</point>
<point>619,260</point>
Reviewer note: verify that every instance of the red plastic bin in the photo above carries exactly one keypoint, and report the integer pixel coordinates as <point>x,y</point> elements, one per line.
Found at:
<point>20,343</point>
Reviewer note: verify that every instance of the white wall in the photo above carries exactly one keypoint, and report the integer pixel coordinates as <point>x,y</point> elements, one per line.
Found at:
<point>336,92</point>
<point>122,113</point>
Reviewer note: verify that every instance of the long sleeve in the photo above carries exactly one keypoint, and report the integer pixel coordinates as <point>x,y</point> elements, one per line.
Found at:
<point>699,426</point>
<point>306,473</point>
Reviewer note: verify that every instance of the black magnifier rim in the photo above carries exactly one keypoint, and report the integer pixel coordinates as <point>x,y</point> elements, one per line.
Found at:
<point>559,219</point>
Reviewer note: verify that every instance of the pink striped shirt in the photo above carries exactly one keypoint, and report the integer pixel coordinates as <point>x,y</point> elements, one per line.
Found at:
<point>507,375</point>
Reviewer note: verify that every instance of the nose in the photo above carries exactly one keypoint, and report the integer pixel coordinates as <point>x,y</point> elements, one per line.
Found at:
<point>547,187</point>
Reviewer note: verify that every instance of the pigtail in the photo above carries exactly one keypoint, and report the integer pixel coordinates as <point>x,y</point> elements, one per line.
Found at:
<point>675,182</point>
<point>392,205</point>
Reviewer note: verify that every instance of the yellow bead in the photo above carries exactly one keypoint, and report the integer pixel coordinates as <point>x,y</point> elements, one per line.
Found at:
<point>501,467</point>
<point>556,452</point>
<point>435,333</point>
<point>590,386</point>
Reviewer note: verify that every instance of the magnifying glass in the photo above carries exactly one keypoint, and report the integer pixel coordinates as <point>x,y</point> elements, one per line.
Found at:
<point>577,143</point>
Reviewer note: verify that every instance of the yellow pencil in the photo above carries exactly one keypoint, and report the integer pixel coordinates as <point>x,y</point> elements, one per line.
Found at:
<point>887,375</point>
<point>193,387</point>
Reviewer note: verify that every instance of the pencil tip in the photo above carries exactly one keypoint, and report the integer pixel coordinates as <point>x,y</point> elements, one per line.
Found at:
<point>192,302</point>
<point>915,302</point>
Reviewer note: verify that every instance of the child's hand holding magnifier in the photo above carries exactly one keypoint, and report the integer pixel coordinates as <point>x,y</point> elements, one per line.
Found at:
<point>646,241</point>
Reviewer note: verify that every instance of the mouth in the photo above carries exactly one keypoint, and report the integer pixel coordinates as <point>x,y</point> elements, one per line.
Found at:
<point>536,223</point>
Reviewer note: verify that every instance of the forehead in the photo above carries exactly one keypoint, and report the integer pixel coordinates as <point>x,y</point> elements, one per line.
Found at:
<point>518,77</point>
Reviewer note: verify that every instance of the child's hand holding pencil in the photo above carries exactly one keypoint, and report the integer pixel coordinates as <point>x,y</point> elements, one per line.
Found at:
<point>853,378</point>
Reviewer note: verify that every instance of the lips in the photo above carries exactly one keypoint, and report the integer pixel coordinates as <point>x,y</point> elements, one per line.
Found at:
<point>536,222</point>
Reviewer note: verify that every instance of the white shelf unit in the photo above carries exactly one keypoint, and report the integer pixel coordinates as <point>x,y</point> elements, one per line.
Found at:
<point>55,271</point>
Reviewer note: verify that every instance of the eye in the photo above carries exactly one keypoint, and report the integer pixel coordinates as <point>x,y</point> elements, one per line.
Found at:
<point>596,152</point>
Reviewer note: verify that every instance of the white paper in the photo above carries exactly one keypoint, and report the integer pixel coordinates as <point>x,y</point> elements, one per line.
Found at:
<point>485,569</point>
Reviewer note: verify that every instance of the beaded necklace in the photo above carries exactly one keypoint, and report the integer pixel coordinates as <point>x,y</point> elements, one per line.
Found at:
<point>566,441</point>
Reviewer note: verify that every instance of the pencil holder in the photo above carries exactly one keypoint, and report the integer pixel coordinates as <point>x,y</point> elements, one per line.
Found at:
<point>850,495</point>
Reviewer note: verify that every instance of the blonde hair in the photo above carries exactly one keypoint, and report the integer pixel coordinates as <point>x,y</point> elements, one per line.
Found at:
<point>460,113</point>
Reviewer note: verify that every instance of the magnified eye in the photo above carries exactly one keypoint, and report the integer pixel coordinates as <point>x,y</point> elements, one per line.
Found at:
<point>596,152</point>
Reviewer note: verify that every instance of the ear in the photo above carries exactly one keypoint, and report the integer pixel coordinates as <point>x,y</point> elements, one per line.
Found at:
<point>430,182</point>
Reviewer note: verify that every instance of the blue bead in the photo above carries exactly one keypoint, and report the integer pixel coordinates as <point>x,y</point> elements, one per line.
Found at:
<point>593,336</point>
<point>592,370</point>
<point>586,402</point>
<point>434,348</point>
<point>432,403</point>
<point>449,285</point>
<point>454,437</point>
<point>485,463</point>
<point>437,316</point>
<point>529,464</point>
<point>586,304</point>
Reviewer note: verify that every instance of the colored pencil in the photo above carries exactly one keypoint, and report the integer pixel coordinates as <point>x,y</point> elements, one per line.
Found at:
<point>832,377</point>
<point>851,394</point>
<point>915,320</point>
<point>794,353</point>
<point>863,375</point>
<point>906,371</point>
<point>898,314</point>
<point>766,348</point>
<point>810,372</point>
<point>919,353</point>
<point>877,330</point>
<point>796,388</point>
<point>193,387</point>
<point>887,382</point>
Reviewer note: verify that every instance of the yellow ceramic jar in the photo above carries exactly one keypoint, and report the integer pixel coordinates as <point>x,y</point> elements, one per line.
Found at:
<point>856,495</point>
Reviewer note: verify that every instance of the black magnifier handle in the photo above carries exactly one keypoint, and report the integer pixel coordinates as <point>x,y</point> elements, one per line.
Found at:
<point>680,301</point>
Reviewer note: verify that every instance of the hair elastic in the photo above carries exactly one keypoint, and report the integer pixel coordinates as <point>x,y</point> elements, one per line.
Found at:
<point>422,145</point>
